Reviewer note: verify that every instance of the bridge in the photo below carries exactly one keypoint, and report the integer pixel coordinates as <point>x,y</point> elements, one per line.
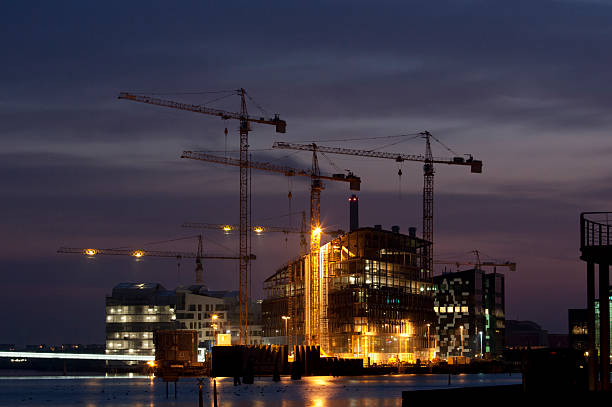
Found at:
<point>81,356</point>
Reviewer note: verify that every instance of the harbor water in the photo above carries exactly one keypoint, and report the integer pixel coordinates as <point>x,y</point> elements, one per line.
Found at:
<point>143,391</point>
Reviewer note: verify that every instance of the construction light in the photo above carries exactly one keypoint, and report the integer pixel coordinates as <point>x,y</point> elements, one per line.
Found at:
<point>215,316</point>
<point>151,363</point>
<point>227,228</point>
<point>258,229</point>
<point>90,252</point>
<point>316,231</point>
<point>138,253</point>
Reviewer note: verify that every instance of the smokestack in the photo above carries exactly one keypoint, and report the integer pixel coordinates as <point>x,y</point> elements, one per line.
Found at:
<point>412,231</point>
<point>395,229</point>
<point>354,213</point>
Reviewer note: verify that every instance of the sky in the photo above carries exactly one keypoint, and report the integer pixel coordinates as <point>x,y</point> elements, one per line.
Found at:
<point>522,85</point>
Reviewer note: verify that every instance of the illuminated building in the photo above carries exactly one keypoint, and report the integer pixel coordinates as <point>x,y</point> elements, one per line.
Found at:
<point>578,327</point>
<point>470,306</point>
<point>135,310</point>
<point>376,299</point>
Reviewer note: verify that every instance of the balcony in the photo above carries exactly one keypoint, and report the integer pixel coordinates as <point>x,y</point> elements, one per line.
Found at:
<point>595,237</point>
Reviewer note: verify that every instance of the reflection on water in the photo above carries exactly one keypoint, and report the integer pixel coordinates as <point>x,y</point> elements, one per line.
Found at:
<point>143,391</point>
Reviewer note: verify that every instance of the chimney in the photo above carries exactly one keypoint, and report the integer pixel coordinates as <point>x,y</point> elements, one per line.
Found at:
<point>378,227</point>
<point>354,213</point>
<point>412,231</point>
<point>395,229</point>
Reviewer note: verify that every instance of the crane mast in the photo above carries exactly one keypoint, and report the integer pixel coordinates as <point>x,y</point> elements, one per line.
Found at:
<point>428,196</point>
<point>313,281</point>
<point>245,225</point>
<point>244,119</point>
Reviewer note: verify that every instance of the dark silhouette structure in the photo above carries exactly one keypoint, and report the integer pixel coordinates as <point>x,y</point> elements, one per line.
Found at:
<point>354,213</point>
<point>596,248</point>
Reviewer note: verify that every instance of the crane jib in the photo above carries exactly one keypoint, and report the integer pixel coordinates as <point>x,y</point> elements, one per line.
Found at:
<point>280,125</point>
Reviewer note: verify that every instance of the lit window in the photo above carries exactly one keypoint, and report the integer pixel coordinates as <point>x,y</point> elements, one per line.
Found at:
<point>464,310</point>
<point>442,310</point>
<point>436,310</point>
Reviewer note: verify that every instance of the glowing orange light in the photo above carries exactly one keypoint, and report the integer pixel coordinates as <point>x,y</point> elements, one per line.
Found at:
<point>151,363</point>
<point>316,231</point>
<point>227,228</point>
<point>258,229</point>
<point>138,253</point>
<point>90,252</point>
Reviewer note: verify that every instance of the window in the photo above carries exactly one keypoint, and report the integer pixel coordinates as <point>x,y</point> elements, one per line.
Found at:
<point>192,307</point>
<point>199,307</point>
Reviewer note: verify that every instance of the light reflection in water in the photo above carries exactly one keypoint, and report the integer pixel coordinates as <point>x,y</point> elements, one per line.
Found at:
<point>380,391</point>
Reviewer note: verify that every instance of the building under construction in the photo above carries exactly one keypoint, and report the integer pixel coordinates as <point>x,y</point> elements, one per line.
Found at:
<point>375,299</point>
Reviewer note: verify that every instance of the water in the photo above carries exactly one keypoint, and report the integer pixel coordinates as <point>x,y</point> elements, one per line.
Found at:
<point>142,391</point>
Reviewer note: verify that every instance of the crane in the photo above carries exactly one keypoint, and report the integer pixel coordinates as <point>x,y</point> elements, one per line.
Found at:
<point>245,121</point>
<point>428,170</point>
<point>139,253</point>
<point>478,264</point>
<point>313,294</point>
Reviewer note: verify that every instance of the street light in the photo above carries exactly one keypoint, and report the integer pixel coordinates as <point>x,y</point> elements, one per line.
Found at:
<point>214,326</point>
<point>428,325</point>
<point>461,329</point>
<point>286,318</point>
<point>481,354</point>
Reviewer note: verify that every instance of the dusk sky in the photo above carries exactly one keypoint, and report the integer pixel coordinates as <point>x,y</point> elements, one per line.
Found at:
<point>522,85</point>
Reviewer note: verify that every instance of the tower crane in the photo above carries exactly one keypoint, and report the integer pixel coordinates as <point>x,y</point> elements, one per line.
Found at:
<point>245,127</point>
<point>313,294</point>
<point>478,264</point>
<point>139,253</point>
<point>428,171</point>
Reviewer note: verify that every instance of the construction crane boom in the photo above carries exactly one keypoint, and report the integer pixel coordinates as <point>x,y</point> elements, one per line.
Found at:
<point>139,253</point>
<point>479,263</point>
<point>226,227</point>
<point>281,125</point>
<point>354,181</point>
<point>245,120</point>
<point>510,265</point>
<point>475,165</point>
